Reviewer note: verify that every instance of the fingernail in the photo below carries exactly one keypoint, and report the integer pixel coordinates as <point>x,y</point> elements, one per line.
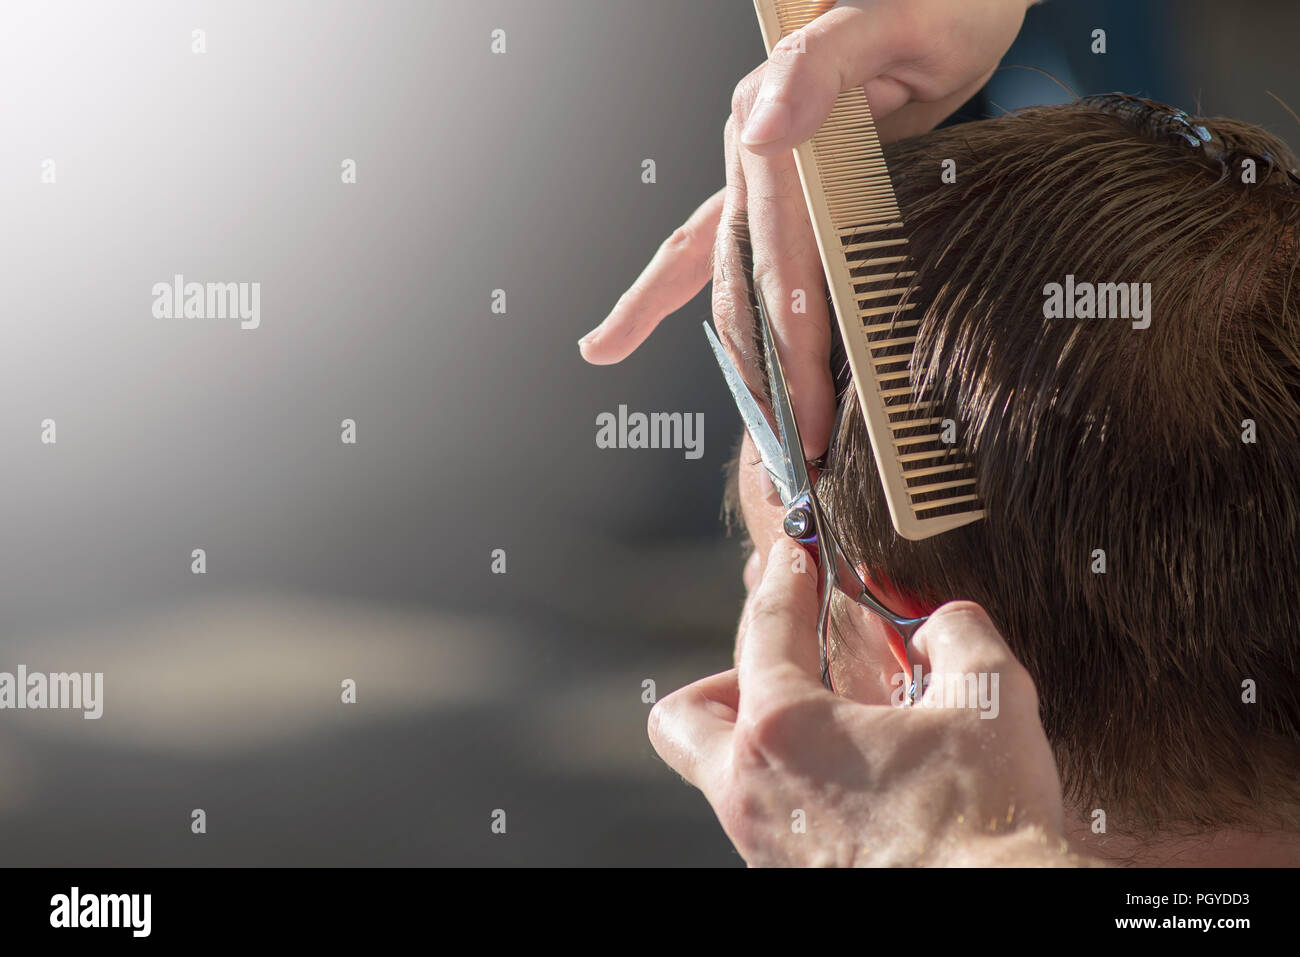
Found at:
<point>768,488</point>
<point>769,121</point>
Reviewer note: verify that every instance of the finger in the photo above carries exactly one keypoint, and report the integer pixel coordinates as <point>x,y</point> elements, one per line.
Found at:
<point>917,118</point>
<point>843,48</point>
<point>750,574</point>
<point>732,262</point>
<point>960,638</point>
<point>788,271</point>
<point>678,271</point>
<point>763,518</point>
<point>691,728</point>
<point>779,656</point>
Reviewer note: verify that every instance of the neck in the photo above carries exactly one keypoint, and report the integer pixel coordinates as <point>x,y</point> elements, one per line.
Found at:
<point>1214,847</point>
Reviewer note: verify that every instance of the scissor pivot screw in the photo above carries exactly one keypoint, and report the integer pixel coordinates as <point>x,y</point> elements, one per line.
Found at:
<point>798,522</point>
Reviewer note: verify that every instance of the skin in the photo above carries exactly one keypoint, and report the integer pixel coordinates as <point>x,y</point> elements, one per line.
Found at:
<point>918,61</point>
<point>741,736</point>
<point>877,784</point>
<point>880,784</point>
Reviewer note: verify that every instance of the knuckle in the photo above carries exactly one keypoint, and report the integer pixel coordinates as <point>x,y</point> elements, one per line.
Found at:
<point>767,737</point>
<point>746,755</point>
<point>751,742</point>
<point>744,95</point>
<point>740,104</point>
<point>730,129</point>
<point>797,74</point>
<point>725,310</point>
<point>661,714</point>
<point>655,720</point>
<point>633,301</point>
<point>683,239</point>
<point>967,610</point>
<point>769,612</point>
<point>792,42</point>
<point>668,705</point>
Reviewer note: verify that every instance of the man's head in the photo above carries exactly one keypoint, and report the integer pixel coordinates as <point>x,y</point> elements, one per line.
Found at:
<point>1092,436</point>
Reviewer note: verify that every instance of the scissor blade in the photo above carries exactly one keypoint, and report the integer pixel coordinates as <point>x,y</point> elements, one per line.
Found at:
<point>769,449</point>
<point>796,469</point>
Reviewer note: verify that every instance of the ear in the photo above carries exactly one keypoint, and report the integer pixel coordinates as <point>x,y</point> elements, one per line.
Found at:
<point>898,601</point>
<point>895,599</point>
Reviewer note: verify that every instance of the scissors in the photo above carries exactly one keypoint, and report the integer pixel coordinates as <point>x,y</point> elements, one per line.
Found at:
<point>805,519</point>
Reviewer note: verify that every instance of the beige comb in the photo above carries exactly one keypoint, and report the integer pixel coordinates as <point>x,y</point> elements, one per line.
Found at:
<point>930,486</point>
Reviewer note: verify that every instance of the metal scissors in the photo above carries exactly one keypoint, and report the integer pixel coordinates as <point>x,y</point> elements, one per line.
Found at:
<point>805,519</point>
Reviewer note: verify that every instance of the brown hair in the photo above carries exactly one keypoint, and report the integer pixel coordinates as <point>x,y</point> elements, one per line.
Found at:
<point>1090,434</point>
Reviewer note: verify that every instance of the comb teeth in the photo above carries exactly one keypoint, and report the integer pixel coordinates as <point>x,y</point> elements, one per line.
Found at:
<point>930,486</point>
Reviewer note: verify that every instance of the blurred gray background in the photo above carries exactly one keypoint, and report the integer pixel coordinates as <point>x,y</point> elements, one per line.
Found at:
<point>476,431</point>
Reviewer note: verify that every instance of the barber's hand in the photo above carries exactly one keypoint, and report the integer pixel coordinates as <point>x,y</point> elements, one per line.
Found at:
<point>870,783</point>
<point>918,61</point>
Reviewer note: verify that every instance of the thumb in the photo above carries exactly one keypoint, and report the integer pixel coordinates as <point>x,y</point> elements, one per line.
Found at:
<point>843,48</point>
<point>780,629</point>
